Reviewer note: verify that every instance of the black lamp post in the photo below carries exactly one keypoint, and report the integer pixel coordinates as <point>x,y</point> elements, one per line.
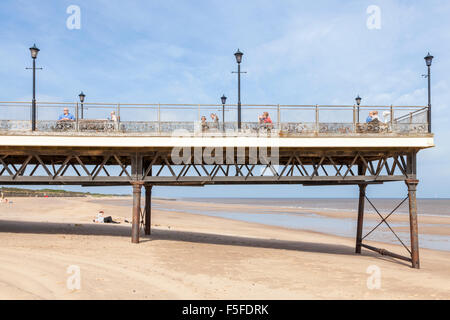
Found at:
<point>428,60</point>
<point>358,102</point>
<point>238,56</point>
<point>224,100</point>
<point>82,96</point>
<point>34,53</point>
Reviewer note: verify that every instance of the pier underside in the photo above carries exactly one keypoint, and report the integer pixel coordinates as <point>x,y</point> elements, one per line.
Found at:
<point>335,162</point>
<point>162,166</point>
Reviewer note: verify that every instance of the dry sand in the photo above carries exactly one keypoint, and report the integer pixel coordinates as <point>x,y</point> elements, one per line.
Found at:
<point>192,257</point>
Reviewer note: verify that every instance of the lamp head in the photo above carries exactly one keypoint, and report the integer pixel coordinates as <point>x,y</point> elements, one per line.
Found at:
<point>238,56</point>
<point>428,59</point>
<point>82,96</point>
<point>34,51</point>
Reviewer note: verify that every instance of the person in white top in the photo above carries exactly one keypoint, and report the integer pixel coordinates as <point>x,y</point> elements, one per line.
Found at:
<point>113,116</point>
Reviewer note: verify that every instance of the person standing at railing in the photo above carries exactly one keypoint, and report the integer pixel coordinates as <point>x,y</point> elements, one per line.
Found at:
<point>215,120</point>
<point>66,116</point>
<point>203,124</point>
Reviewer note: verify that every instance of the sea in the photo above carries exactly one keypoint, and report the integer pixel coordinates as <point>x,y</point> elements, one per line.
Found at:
<point>299,214</point>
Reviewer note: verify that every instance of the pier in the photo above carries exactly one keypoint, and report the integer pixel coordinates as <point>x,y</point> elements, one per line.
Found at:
<point>150,145</point>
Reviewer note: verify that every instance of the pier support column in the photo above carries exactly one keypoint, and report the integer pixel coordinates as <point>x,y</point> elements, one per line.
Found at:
<point>414,231</point>
<point>136,221</point>
<point>148,209</point>
<point>359,230</point>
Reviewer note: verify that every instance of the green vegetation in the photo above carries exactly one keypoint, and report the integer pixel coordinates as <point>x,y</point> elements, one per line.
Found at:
<point>20,192</point>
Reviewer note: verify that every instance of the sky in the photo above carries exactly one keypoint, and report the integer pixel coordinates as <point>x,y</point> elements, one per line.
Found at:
<point>295,52</point>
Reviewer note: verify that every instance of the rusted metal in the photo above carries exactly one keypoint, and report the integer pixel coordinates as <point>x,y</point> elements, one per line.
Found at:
<point>148,209</point>
<point>414,252</point>
<point>135,227</point>
<point>359,230</point>
<point>411,165</point>
<point>383,220</point>
<point>385,252</point>
<point>414,232</point>
<point>155,167</point>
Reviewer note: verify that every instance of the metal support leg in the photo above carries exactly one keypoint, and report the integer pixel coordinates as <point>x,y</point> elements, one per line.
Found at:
<point>414,232</point>
<point>136,212</point>
<point>359,230</point>
<point>148,209</point>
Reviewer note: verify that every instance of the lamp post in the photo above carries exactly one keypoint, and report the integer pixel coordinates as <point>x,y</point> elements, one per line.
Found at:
<point>82,96</point>
<point>34,53</point>
<point>238,56</point>
<point>358,102</point>
<point>428,59</point>
<point>224,100</point>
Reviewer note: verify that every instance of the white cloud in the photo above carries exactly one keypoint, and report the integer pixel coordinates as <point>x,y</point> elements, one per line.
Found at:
<point>176,52</point>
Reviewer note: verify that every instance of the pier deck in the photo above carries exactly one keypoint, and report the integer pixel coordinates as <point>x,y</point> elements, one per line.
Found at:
<point>146,154</point>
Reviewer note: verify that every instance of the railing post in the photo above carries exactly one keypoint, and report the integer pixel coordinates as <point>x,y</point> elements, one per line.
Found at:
<point>198,119</point>
<point>118,116</point>
<point>159,118</point>
<point>354,118</point>
<point>278,117</point>
<point>392,117</point>
<point>317,118</point>
<point>76,118</point>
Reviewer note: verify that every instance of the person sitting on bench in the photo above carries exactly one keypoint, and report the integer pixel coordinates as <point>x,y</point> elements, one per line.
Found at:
<point>66,116</point>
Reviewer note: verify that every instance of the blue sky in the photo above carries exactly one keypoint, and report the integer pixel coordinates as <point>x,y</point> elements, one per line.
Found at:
<point>295,52</point>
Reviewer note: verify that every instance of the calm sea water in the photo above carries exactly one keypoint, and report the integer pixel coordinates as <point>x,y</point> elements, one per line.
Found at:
<point>439,207</point>
<point>274,215</point>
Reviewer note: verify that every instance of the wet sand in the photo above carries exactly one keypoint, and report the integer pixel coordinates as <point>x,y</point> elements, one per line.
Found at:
<point>191,256</point>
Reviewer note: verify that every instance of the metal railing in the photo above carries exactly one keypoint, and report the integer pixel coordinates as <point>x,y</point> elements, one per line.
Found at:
<point>166,119</point>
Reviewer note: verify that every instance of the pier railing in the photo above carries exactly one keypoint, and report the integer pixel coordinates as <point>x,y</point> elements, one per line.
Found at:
<point>167,119</point>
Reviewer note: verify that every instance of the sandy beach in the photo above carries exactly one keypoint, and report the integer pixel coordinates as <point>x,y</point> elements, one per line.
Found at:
<point>191,256</point>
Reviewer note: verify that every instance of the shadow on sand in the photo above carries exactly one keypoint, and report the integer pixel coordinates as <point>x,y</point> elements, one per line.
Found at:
<point>9,226</point>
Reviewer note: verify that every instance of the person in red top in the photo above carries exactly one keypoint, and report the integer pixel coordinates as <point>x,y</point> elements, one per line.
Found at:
<point>267,121</point>
<point>266,118</point>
